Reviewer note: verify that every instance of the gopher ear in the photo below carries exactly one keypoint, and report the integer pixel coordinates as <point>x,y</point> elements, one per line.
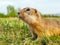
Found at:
<point>35,10</point>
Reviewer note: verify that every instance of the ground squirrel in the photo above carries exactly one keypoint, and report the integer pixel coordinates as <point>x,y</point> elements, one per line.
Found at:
<point>38,25</point>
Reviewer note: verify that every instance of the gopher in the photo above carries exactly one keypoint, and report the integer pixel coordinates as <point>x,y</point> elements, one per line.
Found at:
<point>38,25</point>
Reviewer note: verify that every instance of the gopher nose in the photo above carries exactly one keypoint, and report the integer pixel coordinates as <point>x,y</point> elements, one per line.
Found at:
<point>18,13</point>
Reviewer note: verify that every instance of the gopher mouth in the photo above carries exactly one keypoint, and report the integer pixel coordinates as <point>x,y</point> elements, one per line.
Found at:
<point>21,18</point>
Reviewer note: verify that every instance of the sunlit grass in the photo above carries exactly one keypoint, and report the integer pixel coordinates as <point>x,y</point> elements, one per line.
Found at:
<point>15,32</point>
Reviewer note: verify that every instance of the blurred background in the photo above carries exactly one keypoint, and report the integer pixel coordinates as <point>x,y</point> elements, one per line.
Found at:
<point>51,7</point>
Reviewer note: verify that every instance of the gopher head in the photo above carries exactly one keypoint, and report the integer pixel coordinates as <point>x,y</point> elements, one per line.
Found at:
<point>29,15</point>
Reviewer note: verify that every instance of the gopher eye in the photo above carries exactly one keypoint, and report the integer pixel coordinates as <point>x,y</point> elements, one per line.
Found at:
<point>28,9</point>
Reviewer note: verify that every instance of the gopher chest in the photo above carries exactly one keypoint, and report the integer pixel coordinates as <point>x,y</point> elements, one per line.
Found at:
<point>50,28</point>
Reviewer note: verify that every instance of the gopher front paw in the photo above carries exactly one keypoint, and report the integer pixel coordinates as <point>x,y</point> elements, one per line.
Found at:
<point>34,37</point>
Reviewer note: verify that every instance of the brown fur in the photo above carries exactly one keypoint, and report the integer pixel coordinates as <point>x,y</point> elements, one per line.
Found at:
<point>39,25</point>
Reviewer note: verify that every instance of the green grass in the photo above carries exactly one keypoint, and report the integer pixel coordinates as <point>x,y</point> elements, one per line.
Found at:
<point>15,32</point>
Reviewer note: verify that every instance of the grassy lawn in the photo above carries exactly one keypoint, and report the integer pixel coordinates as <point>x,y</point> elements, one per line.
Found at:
<point>15,32</point>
